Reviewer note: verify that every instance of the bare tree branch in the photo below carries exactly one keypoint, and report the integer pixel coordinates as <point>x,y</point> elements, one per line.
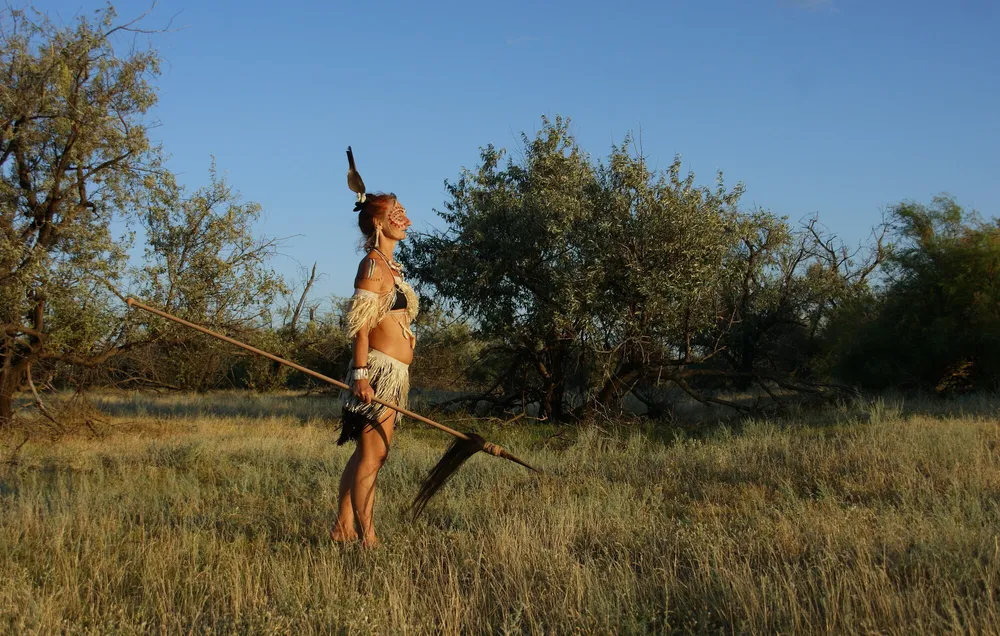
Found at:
<point>38,402</point>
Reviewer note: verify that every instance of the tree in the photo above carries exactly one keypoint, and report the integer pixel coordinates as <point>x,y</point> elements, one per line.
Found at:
<point>448,351</point>
<point>599,276</point>
<point>790,284</point>
<point>75,157</point>
<point>204,262</point>
<point>935,324</point>
<point>667,252</point>
<point>514,259</point>
<point>586,281</point>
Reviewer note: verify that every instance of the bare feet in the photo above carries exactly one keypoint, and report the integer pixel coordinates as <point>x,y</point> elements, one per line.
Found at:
<point>370,542</point>
<point>340,535</point>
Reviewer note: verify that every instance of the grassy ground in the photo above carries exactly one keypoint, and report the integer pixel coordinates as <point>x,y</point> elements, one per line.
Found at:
<point>193,515</point>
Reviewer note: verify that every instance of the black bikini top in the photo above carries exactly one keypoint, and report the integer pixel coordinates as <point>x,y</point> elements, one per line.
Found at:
<point>400,302</point>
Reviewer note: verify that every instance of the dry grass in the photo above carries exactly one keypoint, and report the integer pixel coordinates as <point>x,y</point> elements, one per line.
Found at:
<point>198,515</point>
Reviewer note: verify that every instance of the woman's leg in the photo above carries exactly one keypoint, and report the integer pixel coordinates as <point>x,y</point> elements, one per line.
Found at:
<point>373,450</point>
<point>344,529</point>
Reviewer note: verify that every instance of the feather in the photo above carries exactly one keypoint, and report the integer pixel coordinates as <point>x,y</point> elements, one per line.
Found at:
<point>354,181</point>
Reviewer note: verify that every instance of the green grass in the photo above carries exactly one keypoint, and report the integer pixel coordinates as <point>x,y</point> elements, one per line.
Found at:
<point>203,515</point>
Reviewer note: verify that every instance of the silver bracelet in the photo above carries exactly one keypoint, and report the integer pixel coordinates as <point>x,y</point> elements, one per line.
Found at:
<point>357,374</point>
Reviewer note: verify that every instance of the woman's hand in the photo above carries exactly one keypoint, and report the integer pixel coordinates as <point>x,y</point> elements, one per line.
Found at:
<point>363,390</point>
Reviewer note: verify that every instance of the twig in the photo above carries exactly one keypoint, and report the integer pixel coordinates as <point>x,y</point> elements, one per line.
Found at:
<point>38,402</point>
<point>704,399</point>
<point>12,458</point>
<point>503,422</point>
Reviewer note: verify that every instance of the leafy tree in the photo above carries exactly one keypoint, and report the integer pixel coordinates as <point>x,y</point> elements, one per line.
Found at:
<point>322,346</point>
<point>75,157</point>
<point>790,282</point>
<point>665,248</point>
<point>204,262</point>
<point>515,259</point>
<point>448,351</point>
<point>588,278</point>
<point>586,281</point>
<point>936,323</point>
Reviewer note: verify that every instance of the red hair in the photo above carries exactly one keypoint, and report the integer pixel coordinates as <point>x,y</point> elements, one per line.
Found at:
<point>375,205</point>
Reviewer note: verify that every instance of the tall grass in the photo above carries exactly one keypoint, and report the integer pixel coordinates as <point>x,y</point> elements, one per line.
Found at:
<point>188,515</point>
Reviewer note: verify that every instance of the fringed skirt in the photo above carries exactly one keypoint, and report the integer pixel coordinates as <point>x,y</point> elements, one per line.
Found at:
<point>390,379</point>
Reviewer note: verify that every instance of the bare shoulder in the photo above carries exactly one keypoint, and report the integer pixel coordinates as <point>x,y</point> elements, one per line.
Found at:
<point>372,274</point>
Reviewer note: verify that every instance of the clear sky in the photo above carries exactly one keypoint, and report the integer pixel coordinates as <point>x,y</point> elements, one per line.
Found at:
<point>835,107</point>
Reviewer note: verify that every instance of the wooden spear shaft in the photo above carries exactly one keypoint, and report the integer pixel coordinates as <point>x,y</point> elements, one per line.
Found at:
<point>492,449</point>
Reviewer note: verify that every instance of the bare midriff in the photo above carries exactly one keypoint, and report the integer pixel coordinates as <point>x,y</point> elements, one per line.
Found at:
<point>388,337</point>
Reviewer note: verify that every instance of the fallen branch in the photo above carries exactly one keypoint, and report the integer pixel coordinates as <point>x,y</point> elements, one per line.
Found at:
<point>12,457</point>
<point>40,405</point>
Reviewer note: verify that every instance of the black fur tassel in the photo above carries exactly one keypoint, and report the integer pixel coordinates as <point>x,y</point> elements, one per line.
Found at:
<point>452,460</point>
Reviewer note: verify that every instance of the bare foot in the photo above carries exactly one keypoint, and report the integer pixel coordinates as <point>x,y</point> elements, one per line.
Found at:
<point>370,542</point>
<point>340,535</point>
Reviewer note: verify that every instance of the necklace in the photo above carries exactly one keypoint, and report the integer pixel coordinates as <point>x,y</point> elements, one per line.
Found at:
<point>393,265</point>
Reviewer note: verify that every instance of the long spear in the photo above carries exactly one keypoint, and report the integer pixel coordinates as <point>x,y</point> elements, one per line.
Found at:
<point>464,447</point>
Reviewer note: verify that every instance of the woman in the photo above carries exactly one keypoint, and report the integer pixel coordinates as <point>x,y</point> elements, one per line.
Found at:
<point>379,317</point>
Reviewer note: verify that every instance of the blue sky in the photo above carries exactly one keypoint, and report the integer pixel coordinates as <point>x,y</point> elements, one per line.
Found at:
<point>833,107</point>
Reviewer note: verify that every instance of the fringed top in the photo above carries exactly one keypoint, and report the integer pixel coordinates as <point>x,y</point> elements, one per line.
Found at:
<point>368,308</point>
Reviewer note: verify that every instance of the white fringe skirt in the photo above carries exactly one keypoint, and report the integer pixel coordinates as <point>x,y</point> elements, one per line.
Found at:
<point>390,379</point>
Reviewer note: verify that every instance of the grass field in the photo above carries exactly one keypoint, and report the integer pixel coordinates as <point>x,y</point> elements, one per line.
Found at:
<point>195,515</point>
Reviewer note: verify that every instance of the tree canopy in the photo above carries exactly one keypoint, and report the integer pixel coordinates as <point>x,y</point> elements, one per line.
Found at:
<point>75,159</point>
<point>603,277</point>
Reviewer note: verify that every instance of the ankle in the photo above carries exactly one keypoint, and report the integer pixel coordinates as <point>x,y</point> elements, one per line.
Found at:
<point>340,532</point>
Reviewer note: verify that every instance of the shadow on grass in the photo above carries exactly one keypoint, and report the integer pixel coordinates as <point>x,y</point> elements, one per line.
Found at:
<point>239,405</point>
<point>686,420</point>
<point>696,421</point>
<point>301,408</point>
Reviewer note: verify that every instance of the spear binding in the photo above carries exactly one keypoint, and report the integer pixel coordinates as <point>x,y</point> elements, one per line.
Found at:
<point>464,447</point>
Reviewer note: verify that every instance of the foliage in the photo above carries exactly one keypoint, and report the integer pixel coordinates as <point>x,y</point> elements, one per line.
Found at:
<point>74,157</point>
<point>204,263</point>
<point>322,345</point>
<point>516,257</point>
<point>596,279</point>
<point>936,323</point>
<point>76,162</point>
<point>666,248</point>
<point>448,351</point>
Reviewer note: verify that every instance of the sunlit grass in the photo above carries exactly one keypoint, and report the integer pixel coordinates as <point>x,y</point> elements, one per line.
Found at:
<point>210,514</point>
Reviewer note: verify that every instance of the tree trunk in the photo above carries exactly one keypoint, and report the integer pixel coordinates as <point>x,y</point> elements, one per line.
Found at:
<point>6,410</point>
<point>10,381</point>
<point>615,386</point>
<point>558,393</point>
<point>552,403</point>
<point>748,357</point>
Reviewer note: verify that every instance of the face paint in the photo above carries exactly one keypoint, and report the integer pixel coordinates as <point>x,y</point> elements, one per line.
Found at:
<point>368,270</point>
<point>398,218</point>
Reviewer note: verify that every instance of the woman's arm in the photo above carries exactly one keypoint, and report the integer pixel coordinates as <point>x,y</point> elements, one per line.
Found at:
<point>367,286</point>
<point>360,353</point>
<point>360,387</point>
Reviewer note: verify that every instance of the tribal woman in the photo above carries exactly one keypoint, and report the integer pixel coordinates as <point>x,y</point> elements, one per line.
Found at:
<point>378,321</point>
